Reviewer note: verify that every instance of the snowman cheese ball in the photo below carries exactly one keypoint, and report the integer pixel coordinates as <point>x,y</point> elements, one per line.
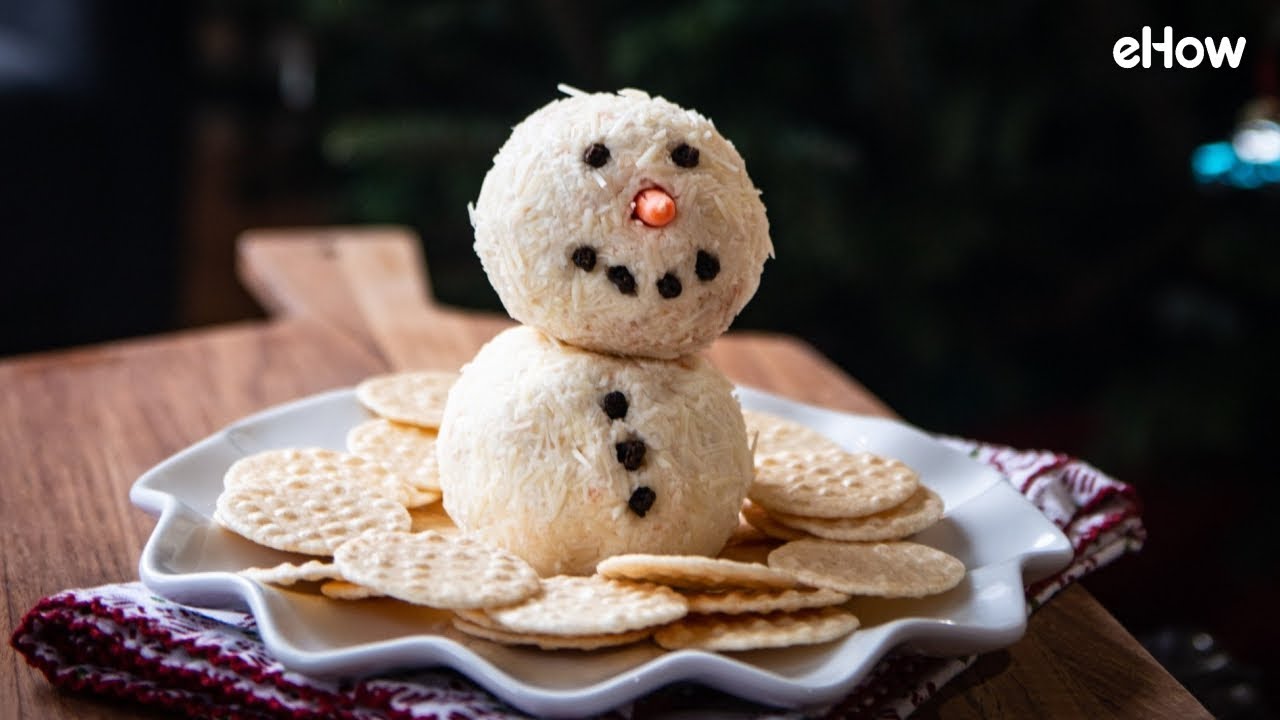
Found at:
<point>622,224</point>
<point>566,457</point>
<point>624,231</point>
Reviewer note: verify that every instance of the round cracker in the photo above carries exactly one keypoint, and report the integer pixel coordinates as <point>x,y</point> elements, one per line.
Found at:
<point>431,517</point>
<point>436,570</point>
<point>550,642</point>
<point>421,498</point>
<point>755,552</point>
<point>312,518</point>
<point>831,484</point>
<point>287,573</point>
<point>693,572</point>
<point>408,450</point>
<point>593,605</point>
<point>736,602</point>
<point>752,632</point>
<point>413,398</point>
<point>765,523</point>
<point>294,468</point>
<point>888,569</point>
<point>921,510</point>
<point>775,434</point>
<point>746,534</point>
<point>344,590</point>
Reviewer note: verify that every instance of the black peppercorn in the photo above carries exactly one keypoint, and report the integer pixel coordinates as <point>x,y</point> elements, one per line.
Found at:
<point>630,453</point>
<point>584,256</point>
<point>707,266</point>
<point>641,500</point>
<point>596,155</point>
<point>669,286</point>
<point>622,279</point>
<point>615,405</point>
<point>685,156</point>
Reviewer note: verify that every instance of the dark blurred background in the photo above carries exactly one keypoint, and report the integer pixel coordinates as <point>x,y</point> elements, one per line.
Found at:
<point>976,213</point>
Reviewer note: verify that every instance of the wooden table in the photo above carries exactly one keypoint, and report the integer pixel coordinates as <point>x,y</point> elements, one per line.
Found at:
<point>77,427</point>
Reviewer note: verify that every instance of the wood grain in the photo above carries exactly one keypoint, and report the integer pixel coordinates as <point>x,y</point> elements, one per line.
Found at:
<point>1075,661</point>
<point>76,429</point>
<point>371,285</point>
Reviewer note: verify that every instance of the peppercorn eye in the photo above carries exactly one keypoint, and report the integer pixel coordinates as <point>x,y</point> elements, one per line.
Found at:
<point>596,155</point>
<point>685,155</point>
<point>584,256</point>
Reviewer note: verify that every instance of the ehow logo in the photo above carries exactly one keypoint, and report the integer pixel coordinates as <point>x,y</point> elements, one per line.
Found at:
<point>1189,51</point>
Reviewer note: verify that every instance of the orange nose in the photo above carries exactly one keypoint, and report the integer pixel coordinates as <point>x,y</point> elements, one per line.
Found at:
<point>654,207</point>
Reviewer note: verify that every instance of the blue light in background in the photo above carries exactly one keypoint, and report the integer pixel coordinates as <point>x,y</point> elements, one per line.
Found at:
<point>1222,162</point>
<point>1212,161</point>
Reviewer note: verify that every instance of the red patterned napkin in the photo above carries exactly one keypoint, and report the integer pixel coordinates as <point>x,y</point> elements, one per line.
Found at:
<point>122,641</point>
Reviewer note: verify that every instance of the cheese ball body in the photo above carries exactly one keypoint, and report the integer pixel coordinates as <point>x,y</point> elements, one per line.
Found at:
<point>566,457</point>
<point>559,228</point>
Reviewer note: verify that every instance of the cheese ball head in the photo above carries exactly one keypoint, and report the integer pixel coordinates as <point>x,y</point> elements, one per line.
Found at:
<point>622,224</point>
<point>566,457</point>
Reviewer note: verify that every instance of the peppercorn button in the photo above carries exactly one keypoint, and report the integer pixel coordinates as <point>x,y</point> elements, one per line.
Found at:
<point>630,453</point>
<point>615,405</point>
<point>641,500</point>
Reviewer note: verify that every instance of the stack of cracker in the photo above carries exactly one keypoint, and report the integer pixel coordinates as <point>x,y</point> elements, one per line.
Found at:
<point>737,605</point>
<point>806,486</point>
<point>844,515</point>
<point>385,494</point>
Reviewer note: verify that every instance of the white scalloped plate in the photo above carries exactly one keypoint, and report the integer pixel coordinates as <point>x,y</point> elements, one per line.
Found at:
<point>1002,540</point>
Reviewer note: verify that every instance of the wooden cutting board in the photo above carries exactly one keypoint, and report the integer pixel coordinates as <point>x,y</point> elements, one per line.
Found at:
<point>77,428</point>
